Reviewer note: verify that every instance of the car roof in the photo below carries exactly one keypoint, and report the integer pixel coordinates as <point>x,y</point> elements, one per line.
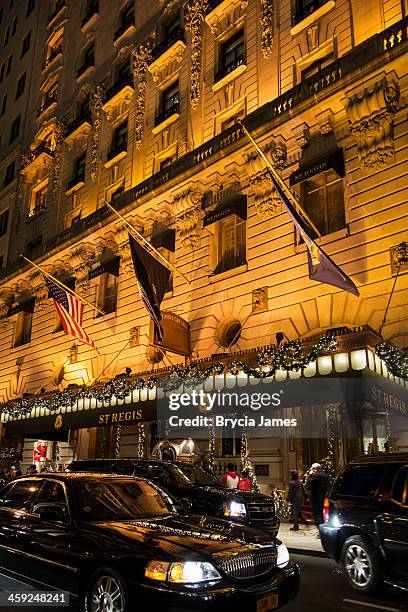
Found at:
<point>128,460</point>
<point>76,476</point>
<point>381,458</point>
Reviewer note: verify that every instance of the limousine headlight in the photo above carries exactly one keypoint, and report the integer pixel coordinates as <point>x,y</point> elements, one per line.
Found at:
<point>235,508</point>
<point>183,572</point>
<point>283,556</point>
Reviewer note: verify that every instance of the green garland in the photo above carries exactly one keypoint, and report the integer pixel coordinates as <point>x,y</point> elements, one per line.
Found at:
<point>395,360</point>
<point>288,356</point>
<point>247,464</point>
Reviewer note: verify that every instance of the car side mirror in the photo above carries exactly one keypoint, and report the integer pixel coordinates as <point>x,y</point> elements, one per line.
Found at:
<point>53,513</point>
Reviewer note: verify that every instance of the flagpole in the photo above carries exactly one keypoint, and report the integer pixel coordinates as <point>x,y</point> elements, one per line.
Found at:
<point>150,248</point>
<point>60,284</point>
<point>278,179</point>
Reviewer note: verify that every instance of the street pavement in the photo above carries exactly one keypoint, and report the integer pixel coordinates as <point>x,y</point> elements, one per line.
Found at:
<point>322,589</point>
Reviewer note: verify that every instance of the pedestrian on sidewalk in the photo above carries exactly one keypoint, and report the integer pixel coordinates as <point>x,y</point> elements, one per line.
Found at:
<point>296,496</point>
<point>244,481</point>
<point>317,485</point>
<point>230,479</point>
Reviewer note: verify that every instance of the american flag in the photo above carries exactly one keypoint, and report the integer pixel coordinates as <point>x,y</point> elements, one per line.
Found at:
<point>70,311</point>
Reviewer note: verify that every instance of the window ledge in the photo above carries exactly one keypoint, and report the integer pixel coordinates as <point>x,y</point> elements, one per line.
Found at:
<point>105,317</point>
<point>86,73</point>
<point>327,239</point>
<point>129,30</point>
<point>158,128</point>
<point>213,278</point>
<point>75,187</point>
<point>115,159</point>
<point>307,21</point>
<point>229,77</point>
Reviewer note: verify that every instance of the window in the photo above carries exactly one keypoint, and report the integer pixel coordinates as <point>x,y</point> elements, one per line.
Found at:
<point>21,86</point>
<point>231,251</point>
<point>304,8</point>
<point>3,66</point>
<point>34,246</point>
<point>26,44</point>
<point>11,4</point>
<point>169,103</point>
<point>21,493</point>
<point>322,198</point>
<point>4,222</point>
<point>1,15</point>
<point>172,28</point>
<point>123,72</point>
<point>22,332</point>
<point>9,176</point>
<point>14,28</point>
<point>119,142</point>
<point>316,66</point>
<point>360,481</point>
<point>52,492</point>
<point>1,261</point>
<point>84,108</point>
<point>3,105</point>
<point>79,169</point>
<point>128,16</point>
<point>89,55</point>
<point>7,36</point>
<point>15,128</point>
<point>38,199</point>
<point>9,62</point>
<point>107,293</point>
<point>30,7</point>
<point>232,54</point>
<point>400,487</point>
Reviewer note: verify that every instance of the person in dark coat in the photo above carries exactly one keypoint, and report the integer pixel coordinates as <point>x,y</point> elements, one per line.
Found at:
<point>296,496</point>
<point>318,483</point>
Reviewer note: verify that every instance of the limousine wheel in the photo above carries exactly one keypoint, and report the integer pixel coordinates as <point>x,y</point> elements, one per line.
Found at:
<point>106,593</point>
<point>362,565</point>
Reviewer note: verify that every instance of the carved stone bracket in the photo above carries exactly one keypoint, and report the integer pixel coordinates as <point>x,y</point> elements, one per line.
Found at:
<point>188,208</point>
<point>267,201</point>
<point>6,300</point>
<point>370,114</point>
<point>267,27</point>
<point>194,13</point>
<point>301,135</point>
<point>82,258</point>
<point>141,60</point>
<point>97,102</point>
<point>39,289</point>
<point>226,15</point>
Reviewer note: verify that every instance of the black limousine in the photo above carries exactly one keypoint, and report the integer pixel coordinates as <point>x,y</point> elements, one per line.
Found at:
<point>111,541</point>
<point>196,488</point>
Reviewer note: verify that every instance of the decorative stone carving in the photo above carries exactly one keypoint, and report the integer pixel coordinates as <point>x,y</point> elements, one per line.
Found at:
<point>267,27</point>
<point>57,165</point>
<point>126,262</point>
<point>326,121</point>
<point>312,37</point>
<point>226,15</point>
<point>6,300</point>
<point>194,13</point>
<point>21,185</point>
<point>168,5</point>
<point>267,201</point>
<point>40,289</point>
<point>167,65</point>
<point>188,207</point>
<point>141,60</point>
<point>370,114</point>
<point>82,258</point>
<point>260,299</point>
<point>301,134</point>
<point>399,258</point>
<point>134,336</point>
<point>96,105</point>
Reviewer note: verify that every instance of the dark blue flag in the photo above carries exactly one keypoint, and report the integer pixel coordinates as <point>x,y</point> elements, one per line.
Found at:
<point>152,279</point>
<point>321,267</point>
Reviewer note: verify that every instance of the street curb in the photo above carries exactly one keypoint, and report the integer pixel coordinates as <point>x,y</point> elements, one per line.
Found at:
<point>308,553</point>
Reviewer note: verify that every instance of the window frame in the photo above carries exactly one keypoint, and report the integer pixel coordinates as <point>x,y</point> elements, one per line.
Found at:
<point>102,296</point>
<point>220,237</point>
<point>26,44</point>
<point>22,335</point>
<point>15,131</point>
<point>22,80</point>
<point>234,41</point>
<point>327,230</point>
<point>5,214</point>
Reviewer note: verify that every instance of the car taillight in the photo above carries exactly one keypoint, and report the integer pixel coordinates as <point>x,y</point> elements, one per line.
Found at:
<point>326,510</point>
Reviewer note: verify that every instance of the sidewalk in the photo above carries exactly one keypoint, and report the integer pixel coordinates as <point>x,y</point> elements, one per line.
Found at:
<point>304,541</point>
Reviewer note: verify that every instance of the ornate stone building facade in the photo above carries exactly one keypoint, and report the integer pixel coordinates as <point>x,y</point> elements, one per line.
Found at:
<point>135,104</point>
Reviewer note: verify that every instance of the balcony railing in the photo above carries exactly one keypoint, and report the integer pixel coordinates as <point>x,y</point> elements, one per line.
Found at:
<point>92,10</point>
<point>88,64</point>
<point>77,122</point>
<point>58,8</point>
<point>50,99</point>
<point>172,110</point>
<point>36,210</point>
<point>54,53</point>
<point>166,44</point>
<point>391,39</point>
<point>128,23</point>
<point>306,10</point>
<point>239,61</point>
<point>31,155</point>
<point>125,80</point>
<point>75,180</point>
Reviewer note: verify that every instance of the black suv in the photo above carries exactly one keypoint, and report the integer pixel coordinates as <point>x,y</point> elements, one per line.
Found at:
<point>197,489</point>
<point>367,528</point>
